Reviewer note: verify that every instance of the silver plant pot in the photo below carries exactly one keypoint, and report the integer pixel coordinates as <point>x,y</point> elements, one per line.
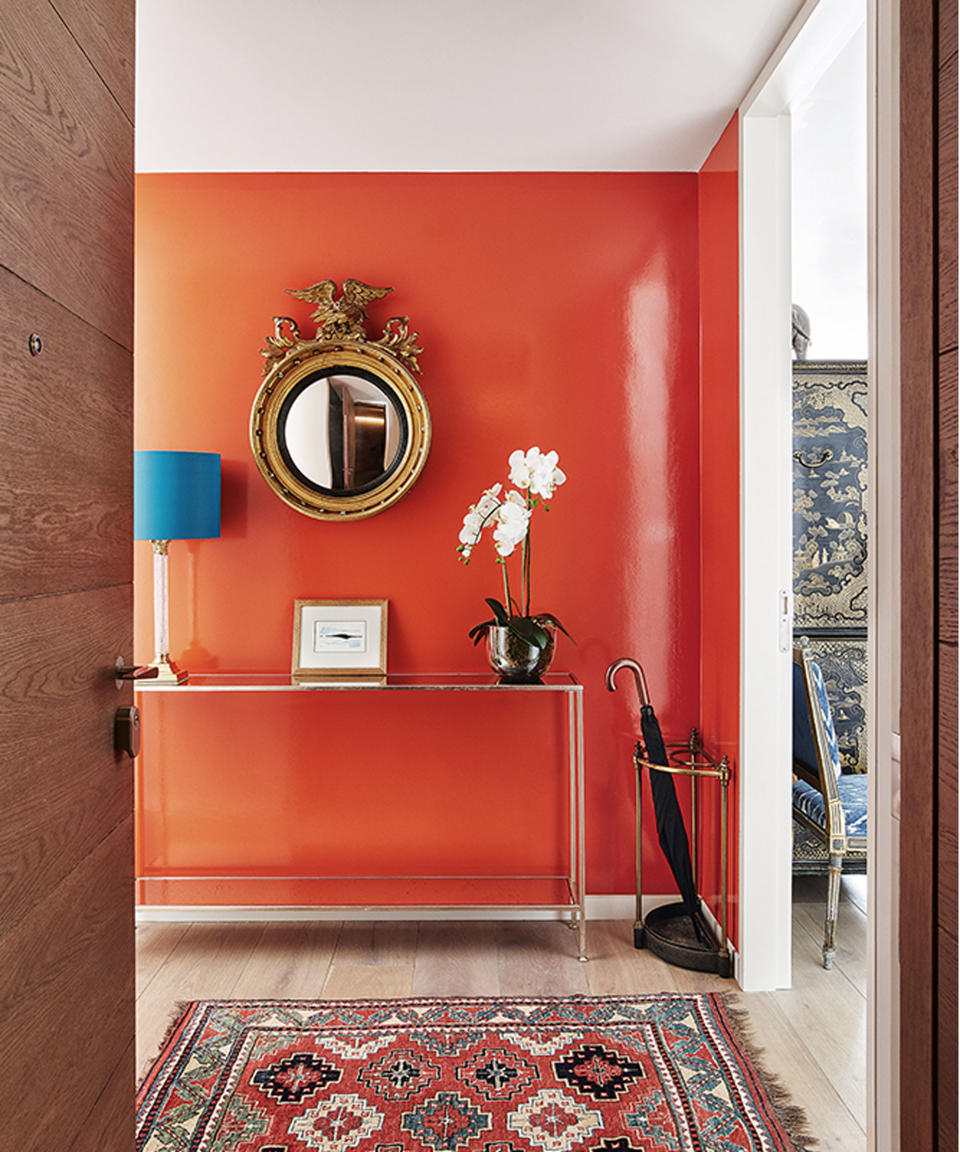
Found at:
<point>514,660</point>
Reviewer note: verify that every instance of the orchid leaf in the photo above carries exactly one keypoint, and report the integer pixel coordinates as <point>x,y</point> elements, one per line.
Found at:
<point>529,630</point>
<point>478,631</point>
<point>553,620</point>
<point>498,610</point>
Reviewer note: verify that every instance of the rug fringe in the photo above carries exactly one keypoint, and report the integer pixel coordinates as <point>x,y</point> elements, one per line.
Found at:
<point>180,1009</point>
<point>791,1117</point>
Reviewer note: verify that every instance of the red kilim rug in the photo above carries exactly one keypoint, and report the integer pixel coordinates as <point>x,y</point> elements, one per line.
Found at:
<point>659,1073</point>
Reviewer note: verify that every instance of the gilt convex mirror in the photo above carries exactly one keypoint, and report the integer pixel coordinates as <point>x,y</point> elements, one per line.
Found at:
<point>339,428</point>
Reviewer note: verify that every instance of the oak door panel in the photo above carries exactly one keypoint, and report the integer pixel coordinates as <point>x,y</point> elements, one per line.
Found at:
<point>66,471</point>
<point>66,851</point>
<point>947,590</point>
<point>111,1113</point>
<point>947,30</point>
<point>947,197</point>
<point>947,908</point>
<point>63,788</point>
<point>66,174</point>
<point>947,1039</point>
<point>66,1001</point>
<point>106,32</point>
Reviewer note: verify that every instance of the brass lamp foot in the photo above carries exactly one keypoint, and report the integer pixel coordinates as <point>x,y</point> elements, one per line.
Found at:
<point>167,671</point>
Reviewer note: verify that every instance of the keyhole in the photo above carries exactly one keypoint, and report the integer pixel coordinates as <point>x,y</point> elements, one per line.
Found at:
<point>35,344</point>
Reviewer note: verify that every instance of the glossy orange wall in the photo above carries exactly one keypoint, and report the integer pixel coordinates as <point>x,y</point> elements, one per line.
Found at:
<point>554,309</point>
<point>720,484</point>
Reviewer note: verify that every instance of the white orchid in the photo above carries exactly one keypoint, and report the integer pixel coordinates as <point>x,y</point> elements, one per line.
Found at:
<point>536,471</point>
<point>513,519</point>
<point>476,518</point>
<point>538,475</point>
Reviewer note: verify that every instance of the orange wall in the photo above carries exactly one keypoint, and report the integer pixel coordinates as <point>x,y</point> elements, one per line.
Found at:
<point>720,483</point>
<point>554,309</point>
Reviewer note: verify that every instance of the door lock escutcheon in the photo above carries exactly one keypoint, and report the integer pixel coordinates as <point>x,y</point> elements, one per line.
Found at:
<point>126,731</point>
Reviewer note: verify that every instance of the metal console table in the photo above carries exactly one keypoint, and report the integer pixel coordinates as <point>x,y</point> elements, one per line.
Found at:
<point>572,882</point>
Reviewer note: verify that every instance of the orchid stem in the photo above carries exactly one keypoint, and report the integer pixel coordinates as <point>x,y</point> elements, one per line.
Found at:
<point>506,587</point>
<point>526,563</point>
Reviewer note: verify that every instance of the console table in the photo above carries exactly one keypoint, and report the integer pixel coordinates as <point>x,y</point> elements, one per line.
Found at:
<point>558,890</point>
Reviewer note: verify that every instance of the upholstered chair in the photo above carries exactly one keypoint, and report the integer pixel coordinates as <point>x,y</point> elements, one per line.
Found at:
<point>830,806</point>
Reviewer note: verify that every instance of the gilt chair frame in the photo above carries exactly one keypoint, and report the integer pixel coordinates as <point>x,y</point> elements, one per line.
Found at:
<point>833,836</point>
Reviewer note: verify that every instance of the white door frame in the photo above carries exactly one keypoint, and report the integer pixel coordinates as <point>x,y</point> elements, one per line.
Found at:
<point>883,511</point>
<point>818,34</point>
<point>819,31</point>
<point>766,602</point>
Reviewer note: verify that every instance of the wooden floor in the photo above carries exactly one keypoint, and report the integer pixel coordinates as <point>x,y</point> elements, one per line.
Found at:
<point>813,1036</point>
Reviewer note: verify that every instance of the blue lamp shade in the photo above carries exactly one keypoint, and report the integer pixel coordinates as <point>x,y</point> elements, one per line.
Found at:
<point>176,495</point>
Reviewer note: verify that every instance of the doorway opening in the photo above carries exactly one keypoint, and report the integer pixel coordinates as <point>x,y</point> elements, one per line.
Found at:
<point>824,40</point>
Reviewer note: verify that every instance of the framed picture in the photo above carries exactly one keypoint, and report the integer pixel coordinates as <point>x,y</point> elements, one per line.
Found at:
<point>339,637</point>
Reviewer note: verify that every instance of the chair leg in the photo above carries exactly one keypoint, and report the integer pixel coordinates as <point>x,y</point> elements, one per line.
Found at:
<point>833,905</point>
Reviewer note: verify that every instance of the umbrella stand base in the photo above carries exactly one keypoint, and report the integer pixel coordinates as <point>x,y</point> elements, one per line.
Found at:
<point>668,933</point>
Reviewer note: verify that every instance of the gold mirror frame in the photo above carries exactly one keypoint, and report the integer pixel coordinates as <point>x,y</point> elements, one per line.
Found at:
<point>340,343</point>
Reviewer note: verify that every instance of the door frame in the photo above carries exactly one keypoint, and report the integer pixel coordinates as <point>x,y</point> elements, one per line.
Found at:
<point>819,31</point>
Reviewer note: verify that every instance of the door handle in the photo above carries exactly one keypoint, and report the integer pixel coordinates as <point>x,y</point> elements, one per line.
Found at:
<point>135,671</point>
<point>126,731</point>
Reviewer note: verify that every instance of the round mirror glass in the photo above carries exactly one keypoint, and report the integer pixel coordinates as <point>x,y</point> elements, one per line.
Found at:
<point>342,430</point>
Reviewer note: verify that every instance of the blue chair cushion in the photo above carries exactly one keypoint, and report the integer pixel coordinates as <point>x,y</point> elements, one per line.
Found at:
<point>853,800</point>
<point>804,744</point>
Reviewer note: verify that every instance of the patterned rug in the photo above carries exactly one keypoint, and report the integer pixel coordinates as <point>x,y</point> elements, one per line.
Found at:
<point>663,1073</point>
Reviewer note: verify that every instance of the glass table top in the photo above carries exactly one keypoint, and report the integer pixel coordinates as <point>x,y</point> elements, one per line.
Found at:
<point>402,681</point>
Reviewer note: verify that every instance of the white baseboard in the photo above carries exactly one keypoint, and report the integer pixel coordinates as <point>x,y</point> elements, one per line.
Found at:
<point>618,906</point>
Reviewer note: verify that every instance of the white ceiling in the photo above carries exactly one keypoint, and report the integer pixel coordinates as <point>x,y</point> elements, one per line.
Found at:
<point>444,85</point>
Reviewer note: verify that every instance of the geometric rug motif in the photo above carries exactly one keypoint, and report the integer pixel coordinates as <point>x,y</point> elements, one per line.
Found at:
<point>662,1073</point>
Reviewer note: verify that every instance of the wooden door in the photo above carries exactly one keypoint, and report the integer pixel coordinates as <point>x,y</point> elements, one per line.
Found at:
<point>928,375</point>
<point>66,852</point>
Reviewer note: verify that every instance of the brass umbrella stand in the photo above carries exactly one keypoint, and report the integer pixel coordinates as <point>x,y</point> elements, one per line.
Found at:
<point>671,931</point>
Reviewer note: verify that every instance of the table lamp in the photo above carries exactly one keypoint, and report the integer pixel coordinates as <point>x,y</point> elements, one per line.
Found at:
<point>176,496</point>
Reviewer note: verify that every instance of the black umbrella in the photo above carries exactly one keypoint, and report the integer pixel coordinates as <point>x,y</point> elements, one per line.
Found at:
<point>671,831</point>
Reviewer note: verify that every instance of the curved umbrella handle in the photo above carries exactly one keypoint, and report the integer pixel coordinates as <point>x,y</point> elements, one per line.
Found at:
<point>638,675</point>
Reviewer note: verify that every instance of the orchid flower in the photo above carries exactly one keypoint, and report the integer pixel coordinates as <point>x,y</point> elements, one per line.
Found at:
<point>537,476</point>
<point>513,519</point>
<point>476,518</point>
<point>536,471</point>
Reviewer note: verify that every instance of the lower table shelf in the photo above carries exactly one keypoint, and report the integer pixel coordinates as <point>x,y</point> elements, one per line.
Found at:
<point>541,893</point>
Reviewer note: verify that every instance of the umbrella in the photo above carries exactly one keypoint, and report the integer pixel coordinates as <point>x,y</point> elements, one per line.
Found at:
<point>671,831</point>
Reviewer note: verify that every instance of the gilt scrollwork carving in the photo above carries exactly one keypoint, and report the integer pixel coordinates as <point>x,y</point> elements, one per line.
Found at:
<point>342,318</point>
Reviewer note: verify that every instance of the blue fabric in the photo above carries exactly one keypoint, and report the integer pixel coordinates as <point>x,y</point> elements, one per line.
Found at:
<point>804,748</point>
<point>804,741</point>
<point>823,703</point>
<point>176,495</point>
<point>853,800</point>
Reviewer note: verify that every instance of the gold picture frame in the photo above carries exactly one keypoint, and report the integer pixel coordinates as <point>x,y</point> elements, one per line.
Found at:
<point>339,639</point>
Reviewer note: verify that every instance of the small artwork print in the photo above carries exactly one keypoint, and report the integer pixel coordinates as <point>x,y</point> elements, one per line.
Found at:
<point>342,636</point>
<point>339,638</point>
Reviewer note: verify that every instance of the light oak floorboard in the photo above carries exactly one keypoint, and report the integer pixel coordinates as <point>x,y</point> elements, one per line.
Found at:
<point>290,962</point>
<point>850,937</point>
<point>154,944</point>
<point>368,981</point>
<point>829,1014</point>
<point>375,942</point>
<point>616,969</point>
<point>457,958</point>
<point>539,959</point>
